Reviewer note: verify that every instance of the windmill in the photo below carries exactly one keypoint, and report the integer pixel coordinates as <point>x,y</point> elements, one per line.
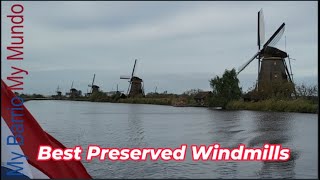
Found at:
<point>71,88</point>
<point>94,88</point>
<point>135,83</point>
<point>272,67</point>
<point>118,90</point>
<point>58,91</point>
<point>73,91</point>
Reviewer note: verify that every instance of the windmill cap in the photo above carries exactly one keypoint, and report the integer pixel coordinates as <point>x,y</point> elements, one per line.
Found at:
<point>136,78</point>
<point>274,52</point>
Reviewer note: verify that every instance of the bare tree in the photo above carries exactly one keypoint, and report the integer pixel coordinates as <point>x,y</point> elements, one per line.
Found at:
<point>304,90</point>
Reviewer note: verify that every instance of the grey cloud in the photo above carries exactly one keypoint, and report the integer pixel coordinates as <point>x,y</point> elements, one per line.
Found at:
<point>73,40</point>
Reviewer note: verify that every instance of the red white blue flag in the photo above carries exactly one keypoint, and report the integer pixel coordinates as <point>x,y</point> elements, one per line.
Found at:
<point>21,136</point>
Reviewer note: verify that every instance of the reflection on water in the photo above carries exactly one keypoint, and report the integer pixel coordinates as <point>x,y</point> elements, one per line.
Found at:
<point>133,125</point>
<point>274,129</point>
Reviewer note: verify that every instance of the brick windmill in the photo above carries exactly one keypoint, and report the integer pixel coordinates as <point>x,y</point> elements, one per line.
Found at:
<point>272,67</point>
<point>135,83</point>
<point>94,88</point>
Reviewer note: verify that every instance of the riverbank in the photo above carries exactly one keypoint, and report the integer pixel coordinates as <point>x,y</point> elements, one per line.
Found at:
<point>158,101</point>
<point>176,102</point>
<point>297,105</point>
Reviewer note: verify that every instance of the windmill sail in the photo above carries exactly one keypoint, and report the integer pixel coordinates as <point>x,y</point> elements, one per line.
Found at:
<point>125,77</point>
<point>247,63</point>
<point>274,39</point>
<point>261,29</point>
<point>92,83</point>
<point>134,68</point>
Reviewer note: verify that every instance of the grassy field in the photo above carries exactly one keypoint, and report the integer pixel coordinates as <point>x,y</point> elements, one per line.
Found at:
<point>297,105</point>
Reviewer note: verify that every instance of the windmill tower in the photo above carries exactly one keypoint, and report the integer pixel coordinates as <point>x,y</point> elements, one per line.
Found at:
<point>272,67</point>
<point>74,92</point>
<point>59,93</point>
<point>94,88</point>
<point>135,83</point>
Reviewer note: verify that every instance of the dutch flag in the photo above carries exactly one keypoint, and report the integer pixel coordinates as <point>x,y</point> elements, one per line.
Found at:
<point>19,158</point>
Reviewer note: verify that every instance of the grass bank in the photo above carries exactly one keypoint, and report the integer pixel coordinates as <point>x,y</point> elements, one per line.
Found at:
<point>158,101</point>
<point>297,105</point>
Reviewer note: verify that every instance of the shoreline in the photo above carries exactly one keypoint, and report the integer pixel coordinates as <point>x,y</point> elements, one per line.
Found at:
<point>270,105</point>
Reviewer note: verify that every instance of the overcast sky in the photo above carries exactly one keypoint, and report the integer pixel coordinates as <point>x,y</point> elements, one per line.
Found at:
<point>179,45</point>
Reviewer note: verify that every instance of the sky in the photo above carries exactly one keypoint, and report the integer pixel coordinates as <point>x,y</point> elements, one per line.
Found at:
<point>179,45</point>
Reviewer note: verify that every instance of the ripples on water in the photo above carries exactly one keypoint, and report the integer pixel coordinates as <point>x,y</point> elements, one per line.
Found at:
<point>133,125</point>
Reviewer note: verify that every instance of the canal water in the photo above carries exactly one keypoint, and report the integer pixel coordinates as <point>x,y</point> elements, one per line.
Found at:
<point>132,125</point>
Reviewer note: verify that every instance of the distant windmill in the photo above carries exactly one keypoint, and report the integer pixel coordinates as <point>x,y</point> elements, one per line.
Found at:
<point>118,89</point>
<point>58,91</point>
<point>94,88</point>
<point>73,91</point>
<point>135,83</point>
<point>71,88</point>
<point>272,66</point>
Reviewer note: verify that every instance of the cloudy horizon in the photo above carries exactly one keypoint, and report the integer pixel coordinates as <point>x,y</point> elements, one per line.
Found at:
<point>179,45</point>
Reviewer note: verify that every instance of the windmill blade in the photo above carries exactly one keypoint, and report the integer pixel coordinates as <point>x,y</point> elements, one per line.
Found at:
<point>261,29</point>
<point>134,67</point>
<point>142,89</point>
<point>289,59</point>
<point>94,76</point>
<point>71,85</point>
<point>129,88</point>
<point>125,77</point>
<point>287,70</point>
<point>276,36</point>
<point>247,63</point>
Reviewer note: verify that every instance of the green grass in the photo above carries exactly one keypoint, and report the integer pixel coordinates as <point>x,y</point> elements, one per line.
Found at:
<point>297,105</point>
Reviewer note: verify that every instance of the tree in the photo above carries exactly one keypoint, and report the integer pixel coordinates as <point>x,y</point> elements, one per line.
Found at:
<point>225,88</point>
<point>305,90</point>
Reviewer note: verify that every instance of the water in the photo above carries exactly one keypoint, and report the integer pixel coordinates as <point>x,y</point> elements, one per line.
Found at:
<point>132,125</point>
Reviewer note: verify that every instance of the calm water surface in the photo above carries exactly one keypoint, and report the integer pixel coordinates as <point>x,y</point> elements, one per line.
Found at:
<point>131,125</point>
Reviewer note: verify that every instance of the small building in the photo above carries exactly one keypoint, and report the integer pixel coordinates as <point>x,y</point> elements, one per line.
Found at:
<point>202,97</point>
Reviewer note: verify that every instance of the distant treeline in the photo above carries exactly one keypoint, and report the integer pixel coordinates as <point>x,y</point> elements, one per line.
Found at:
<point>30,96</point>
